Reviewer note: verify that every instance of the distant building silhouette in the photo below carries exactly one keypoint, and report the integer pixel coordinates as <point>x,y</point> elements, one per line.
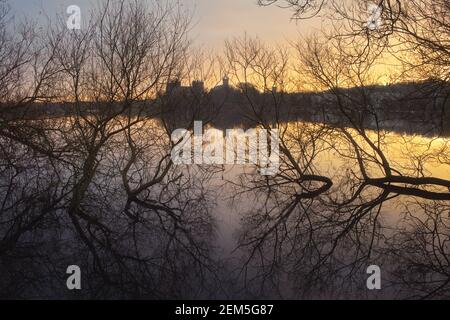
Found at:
<point>173,85</point>
<point>198,86</point>
<point>226,82</point>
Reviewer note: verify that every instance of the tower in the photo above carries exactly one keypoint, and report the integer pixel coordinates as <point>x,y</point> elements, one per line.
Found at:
<point>226,82</point>
<point>173,85</point>
<point>198,86</point>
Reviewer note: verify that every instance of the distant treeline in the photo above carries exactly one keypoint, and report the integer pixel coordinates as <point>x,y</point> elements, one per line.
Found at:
<point>414,108</point>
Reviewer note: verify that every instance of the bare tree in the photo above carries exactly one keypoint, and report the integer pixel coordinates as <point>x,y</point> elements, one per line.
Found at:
<point>112,201</point>
<point>317,227</point>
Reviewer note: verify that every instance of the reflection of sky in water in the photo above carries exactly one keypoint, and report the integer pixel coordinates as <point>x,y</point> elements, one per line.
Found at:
<point>402,151</point>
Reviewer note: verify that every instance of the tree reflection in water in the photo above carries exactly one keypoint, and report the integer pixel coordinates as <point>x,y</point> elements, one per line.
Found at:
<point>86,176</point>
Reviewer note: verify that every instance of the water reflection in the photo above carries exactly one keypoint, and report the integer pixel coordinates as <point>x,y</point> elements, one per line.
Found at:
<point>144,228</point>
<point>297,246</point>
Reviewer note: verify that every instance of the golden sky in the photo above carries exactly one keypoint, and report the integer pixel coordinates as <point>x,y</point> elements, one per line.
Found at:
<point>214,20</point>
<point>217,20</point>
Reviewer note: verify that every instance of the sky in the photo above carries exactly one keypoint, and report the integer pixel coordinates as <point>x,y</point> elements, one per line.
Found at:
<point>214,20</point>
